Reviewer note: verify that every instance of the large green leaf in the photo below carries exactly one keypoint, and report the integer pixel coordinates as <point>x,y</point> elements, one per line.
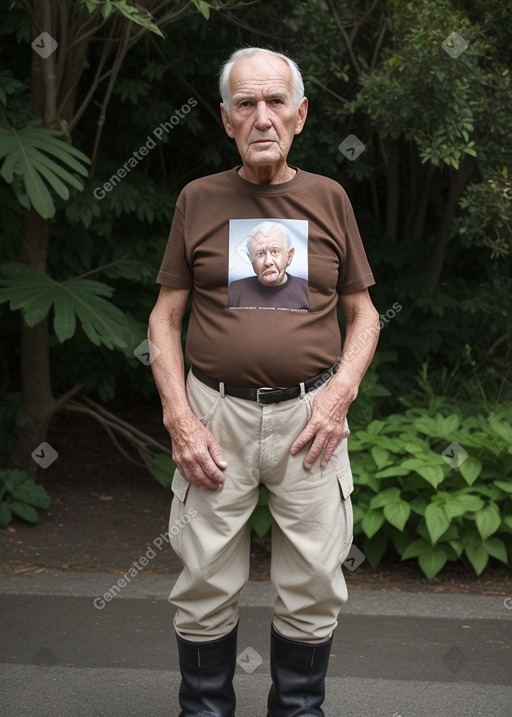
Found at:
<point>372,522</point>
<point>477,555</point>
<point>433,474</point>
<point>397,513</point>
<point>32,493</point>
<point>163,469</point>
<point>470,469</point>
<point>388,495</point>
<point>23,510</point>
<point>34,292</point>
<point>261,520</point>
<point>488,520</point>
<point>437,521</point>
<point>496,549</point>
<point>432,561</point>
<point>41,159</point>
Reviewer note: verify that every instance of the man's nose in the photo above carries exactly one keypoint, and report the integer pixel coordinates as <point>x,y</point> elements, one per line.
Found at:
<point>269,259</point>
<point>262,116</point>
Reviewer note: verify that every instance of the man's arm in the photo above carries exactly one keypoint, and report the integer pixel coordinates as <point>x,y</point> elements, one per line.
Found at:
<point>327,426</point>
<point>195,451</point>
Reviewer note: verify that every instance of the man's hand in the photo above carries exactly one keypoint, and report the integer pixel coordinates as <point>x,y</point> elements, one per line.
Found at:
<point>327,426</point>
<point>198,456</point>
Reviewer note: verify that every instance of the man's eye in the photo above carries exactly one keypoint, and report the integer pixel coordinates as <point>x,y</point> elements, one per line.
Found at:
<point>275,252</point>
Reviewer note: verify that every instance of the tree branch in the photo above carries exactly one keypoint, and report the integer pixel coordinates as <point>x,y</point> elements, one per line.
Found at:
<point>116,68</point>
<point>345,36</point>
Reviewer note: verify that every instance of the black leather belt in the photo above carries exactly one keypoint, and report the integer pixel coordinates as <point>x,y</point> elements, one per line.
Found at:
<point>266,395</point>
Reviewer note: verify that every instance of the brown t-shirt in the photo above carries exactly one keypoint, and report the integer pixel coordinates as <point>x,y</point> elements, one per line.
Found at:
<point>214,221</point>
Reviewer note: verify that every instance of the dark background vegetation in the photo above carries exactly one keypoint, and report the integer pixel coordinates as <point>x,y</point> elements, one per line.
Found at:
<point>432,193</point>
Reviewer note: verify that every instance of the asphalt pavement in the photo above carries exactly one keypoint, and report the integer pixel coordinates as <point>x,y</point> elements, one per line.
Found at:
<point>68,649</point>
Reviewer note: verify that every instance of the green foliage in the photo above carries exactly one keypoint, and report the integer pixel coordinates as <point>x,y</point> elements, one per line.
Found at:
<point>437,509</point>
<point>138,15</point>
<point>35,293</point>
<point>20,496</point>
<point>34,157</point>
<point>261,519</point>
<point>486,215</point>
<point>163,469</point>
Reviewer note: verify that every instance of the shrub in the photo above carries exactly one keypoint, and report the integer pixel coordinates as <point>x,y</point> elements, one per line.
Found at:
<point>21,496</point>
<point>435,485</point>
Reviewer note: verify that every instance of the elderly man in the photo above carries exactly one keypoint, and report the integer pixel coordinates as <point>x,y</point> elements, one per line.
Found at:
<point>265,402</point>
<point>270,252</point>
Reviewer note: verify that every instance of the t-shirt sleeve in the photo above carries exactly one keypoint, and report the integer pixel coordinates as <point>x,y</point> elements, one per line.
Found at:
<point>355,272</point>
<point>175,270</point>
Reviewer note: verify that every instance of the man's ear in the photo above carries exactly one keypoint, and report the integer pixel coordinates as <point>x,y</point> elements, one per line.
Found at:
<point>302,113</point>
<point>291,252</point>
<point>226,121</point>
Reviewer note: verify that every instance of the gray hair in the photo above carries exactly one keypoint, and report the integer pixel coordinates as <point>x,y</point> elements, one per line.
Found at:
<point>266,228</point>
<point>225,92</point>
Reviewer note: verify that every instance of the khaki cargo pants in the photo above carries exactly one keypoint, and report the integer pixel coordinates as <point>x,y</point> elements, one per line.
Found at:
<point>311,528</point>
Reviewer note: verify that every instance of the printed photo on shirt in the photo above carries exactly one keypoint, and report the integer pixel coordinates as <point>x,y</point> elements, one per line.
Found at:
<point>268,264</point>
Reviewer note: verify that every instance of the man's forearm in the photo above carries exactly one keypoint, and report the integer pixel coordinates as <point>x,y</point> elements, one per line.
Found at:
<point>362,336</point>
<point>168,368</point>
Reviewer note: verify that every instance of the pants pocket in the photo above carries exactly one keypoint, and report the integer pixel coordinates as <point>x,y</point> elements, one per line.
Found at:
<point>203,400</point>
<point>179,516</point>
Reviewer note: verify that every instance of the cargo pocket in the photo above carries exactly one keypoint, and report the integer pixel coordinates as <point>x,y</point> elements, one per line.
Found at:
<point>180,487</point>
<point>346,485</point>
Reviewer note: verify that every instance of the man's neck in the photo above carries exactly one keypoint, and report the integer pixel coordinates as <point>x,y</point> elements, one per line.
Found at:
<point>267,174</point>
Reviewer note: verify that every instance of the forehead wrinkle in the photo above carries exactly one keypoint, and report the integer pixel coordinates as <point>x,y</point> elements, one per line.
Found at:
<point>284,76</point>
<point>267,95</point>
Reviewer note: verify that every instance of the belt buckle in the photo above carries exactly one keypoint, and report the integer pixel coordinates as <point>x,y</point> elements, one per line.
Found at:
<point>263,391</point>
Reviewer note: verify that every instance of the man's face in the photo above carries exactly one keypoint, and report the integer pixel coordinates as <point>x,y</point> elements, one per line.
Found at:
<point>263,117</point>
<point>270,258</point>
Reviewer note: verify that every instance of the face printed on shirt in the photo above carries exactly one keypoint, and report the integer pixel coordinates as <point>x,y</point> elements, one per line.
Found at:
<point>270,257</point>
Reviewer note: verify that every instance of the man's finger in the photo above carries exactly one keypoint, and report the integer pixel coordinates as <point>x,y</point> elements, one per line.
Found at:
<point>314,453</point>
<point>217,453</point>
<point>303,439</point>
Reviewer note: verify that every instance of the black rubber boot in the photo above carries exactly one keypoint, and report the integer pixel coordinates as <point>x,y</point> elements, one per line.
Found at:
<point>207,670</point>
<point>298,672</point>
